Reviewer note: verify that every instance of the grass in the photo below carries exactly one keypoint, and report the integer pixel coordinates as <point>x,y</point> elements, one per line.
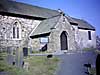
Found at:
<point>97,51</point>
<point>93,71</point>
<point>88,49</point>
<point>3,64</point>
<point>33,51</point>
<point>38,65</point>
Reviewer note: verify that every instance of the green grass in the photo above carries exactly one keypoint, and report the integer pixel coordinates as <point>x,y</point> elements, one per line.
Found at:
<point>97,51</point>
<point>93,71</point>
<point>38,65</point>
<point>34,52</point>
<point>3,64</point>
<point>88,49</point>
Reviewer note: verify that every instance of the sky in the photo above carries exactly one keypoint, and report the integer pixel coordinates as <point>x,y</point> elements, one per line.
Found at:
<point>88,10</point>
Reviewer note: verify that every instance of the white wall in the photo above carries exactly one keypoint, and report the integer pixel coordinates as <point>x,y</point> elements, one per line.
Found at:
<point>83,39</point>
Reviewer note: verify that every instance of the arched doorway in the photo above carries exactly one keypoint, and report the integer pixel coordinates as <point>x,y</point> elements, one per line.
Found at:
<point>98,65</point>
<point>63,40</point>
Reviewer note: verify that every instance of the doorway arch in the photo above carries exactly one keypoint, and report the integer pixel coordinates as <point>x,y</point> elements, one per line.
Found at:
<point>63,41</point>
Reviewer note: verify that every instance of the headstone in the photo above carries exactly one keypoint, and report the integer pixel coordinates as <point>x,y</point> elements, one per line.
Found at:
<point>30,49</point>
<point>9,50</point>
<point>25,51</point>
<point>26,66</point>
<point>13,62</point>
<point>16,57</point>
<point>21,60</point>
<point>19,57</point>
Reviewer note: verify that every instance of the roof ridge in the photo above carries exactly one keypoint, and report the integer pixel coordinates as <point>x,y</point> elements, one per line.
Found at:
<point>55,23</point>
<point>53,16</point>
<point>32,5</point>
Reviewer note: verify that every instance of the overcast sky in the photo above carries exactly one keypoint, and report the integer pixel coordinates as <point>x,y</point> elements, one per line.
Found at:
<point>88,10</point>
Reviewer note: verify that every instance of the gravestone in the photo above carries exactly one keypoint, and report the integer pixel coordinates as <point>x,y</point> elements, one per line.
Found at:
<point>30,49</point>
<point>19,57</point>
<point>25,51</point>
<point>9,50</point>
<point>26,66</point>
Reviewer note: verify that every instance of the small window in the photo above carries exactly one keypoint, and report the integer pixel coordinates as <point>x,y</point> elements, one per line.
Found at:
<point>44,40</point>
<point>89,35</point>
<point>13,32</point>
<point>17,32</point>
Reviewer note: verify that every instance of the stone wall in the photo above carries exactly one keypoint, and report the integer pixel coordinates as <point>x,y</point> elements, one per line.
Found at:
<point>54,38</point>
<point>26,26</point>
<point>36,44</point>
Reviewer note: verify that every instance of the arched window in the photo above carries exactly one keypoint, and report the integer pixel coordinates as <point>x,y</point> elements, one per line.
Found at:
<point>16,30</point>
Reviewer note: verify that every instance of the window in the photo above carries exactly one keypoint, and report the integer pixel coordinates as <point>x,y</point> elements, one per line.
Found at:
<point>89,35</point>
<point>16,30</point>
<point>13,32</point>
<point>44,40</point>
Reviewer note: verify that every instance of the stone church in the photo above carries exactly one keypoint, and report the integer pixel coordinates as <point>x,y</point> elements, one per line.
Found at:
<point>42,29</point>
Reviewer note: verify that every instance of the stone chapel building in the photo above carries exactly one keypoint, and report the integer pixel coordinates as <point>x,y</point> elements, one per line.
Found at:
<point>27,26</point>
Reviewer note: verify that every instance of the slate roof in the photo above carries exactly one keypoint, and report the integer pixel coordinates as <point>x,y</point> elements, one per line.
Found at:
<point>80,23</point>
<point>71,20</point>
<point>83,24</point>
<point>46,26</point>
<point>26,9</point>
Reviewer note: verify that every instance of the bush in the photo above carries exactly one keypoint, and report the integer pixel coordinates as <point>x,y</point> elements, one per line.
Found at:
<point>98,42</point>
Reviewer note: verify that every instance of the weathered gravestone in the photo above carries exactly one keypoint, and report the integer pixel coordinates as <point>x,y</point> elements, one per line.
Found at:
<point>25,51</point>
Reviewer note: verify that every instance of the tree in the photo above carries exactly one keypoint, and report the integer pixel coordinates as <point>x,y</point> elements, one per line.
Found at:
<point>98,42</point>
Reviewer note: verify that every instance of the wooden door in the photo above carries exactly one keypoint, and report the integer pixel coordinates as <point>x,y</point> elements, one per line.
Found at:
<point>63,39</point>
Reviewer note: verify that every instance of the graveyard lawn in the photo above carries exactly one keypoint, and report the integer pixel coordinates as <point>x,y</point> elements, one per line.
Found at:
<point>3,64</point>
<point>41,65</point>
<point>38,65</point>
